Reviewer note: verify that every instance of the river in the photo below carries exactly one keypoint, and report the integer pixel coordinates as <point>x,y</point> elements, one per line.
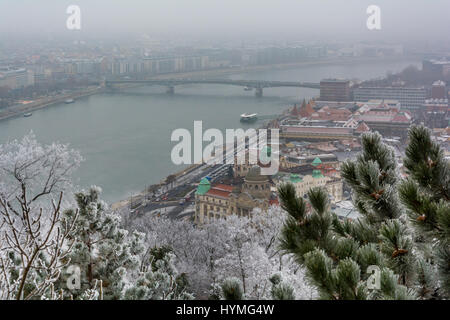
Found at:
<point>125,136</point>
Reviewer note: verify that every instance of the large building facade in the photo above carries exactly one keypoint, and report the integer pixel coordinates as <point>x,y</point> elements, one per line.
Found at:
<point>439,90</point>
<point>410,98</point>
<point>302,184</point>
<point>159,65</point>
<point>16,78</point>
<point>436,68</point>
<point>335,90</point>
<point>312,133</point>
<point>211,201</point>
<point>214,201</point>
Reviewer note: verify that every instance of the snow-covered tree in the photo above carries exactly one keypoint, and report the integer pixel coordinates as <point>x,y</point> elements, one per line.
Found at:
<point>102,250</point>
<point>210,253</point>
<point>159,279</point>
<point>32,255</point>
<point>281,290</point>
<point>426,194</point>
<point>35,171</point>
<point>231,289</point>
<point>248,262</point>
<point>34,235</point>
<point>341,256</point>
<point>252,255</point>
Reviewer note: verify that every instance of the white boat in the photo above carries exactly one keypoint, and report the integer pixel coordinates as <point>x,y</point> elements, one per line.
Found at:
<point>248,89</point>
<point>28,114</point>
<point>69,101</point>
<point>249,117</point>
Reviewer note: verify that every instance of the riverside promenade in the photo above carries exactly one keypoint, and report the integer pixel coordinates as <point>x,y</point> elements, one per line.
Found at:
<point>20,109</point>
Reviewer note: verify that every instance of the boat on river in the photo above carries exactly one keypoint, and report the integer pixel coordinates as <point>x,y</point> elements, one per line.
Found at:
<point>249,117</point>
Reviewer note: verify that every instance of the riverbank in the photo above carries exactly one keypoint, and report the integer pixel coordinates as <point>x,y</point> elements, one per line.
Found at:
<point>20,109</point>
<point>141,195</point>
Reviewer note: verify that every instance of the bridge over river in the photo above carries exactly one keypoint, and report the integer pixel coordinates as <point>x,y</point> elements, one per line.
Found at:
<point>257,85</point>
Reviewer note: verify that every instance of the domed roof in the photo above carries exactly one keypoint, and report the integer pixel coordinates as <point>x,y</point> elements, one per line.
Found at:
<point>254,171</point>
<point>203,186</point>
<point>316,162</point>
<point>254,174</point>
<point>294,178</point>
<point>317,174</point>
<point>236,190</point>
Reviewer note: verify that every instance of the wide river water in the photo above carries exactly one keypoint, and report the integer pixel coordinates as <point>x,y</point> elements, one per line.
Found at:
<point>125,136</point>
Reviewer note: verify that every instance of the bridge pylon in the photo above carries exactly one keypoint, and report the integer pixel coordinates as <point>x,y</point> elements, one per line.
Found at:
<point>258,92</point>
<point>170,90</point>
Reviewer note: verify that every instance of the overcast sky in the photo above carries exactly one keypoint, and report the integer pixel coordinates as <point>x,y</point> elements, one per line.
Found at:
<point>328,19</point>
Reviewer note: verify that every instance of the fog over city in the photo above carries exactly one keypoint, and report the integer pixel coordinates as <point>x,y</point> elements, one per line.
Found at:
<point>265,19</point>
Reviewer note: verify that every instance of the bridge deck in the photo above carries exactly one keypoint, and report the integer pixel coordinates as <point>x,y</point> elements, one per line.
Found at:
<point>243,83</point>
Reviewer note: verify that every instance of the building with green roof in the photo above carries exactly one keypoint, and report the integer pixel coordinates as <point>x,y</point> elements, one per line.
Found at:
<point>265,154</point>
<point>203,187</point>
<point>316,162</point>
<point>317,174</point>
<point>294,178</point>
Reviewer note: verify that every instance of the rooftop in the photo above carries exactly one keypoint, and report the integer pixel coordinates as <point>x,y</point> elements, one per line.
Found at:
<point>218,193</point>
<point>314,129</point>
<point>294,178</point>
<point>316,161</point>
<point>203,186</point>
<point>317,174</point>
<point>254,174</point>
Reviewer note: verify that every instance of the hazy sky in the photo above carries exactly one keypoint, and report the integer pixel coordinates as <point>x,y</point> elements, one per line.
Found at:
<point>330,19</point>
